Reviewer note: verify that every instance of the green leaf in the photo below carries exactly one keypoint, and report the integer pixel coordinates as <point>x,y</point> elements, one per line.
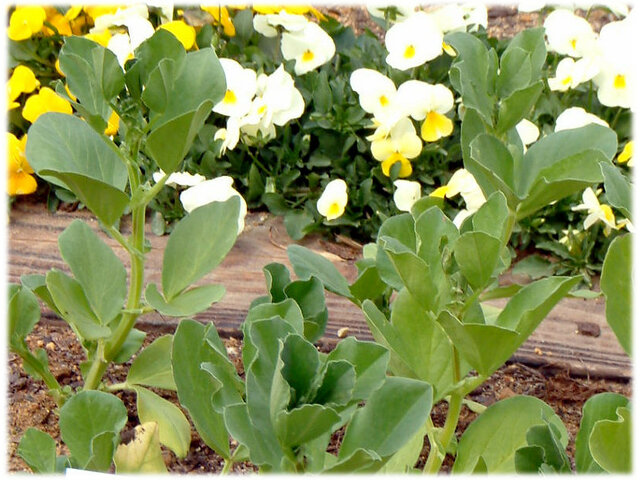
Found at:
<point>173,427</point>
<point>198,243</point>
<point>360,461</point>
<point>309,295</point>
<point>66,144</point>
<point>392,415</point>
<point>105,201</point>
<point>24,313</point>
<point>87,415</point>
<point>298,223</point>
<point>187,303</point>
<point>485,347</point>
<point>414,272</point>
<point>493,160</point>
<point>159,86</point>
<point>517,106</point>
<point>131,345</point>
<point>602,406</point>
<point>532,42</point>
<point>169,143</point>
<point>515,71</point>
<point>92,73</point>
<point>161,45</point>
<point>201,79</point>
<point>307,264</point>
<point>37,284</point>
<point>544,452</point>
<point>38,450</point>
<point>368,285</point>
<point>401,228</point>
<point>422,344</point>
<point>277,277</point>
<point>370,361</point>
<point>534,266</point>
<point>570,175</point>
<point>477,255</point>
<point>195,386</point>
<point>558,146</point>
<point>471,69</point>
<point>617,188</point>
<point>299,365</point>
<point>610,442</point>
<point>337,385</point>
<point>142,454</point>
<point>152,366</point>
<point>91,262</point>
<point>304,424</point>
<point>491,217</point>
<point>496,434</point>
<point>404,459</point>
<point>74,306</point>
<point>103,447</point>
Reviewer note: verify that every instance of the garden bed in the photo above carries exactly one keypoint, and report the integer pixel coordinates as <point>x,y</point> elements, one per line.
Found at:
<point>29,405</point>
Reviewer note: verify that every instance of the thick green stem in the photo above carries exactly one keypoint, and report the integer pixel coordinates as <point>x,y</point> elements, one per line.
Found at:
<point>226,468</point>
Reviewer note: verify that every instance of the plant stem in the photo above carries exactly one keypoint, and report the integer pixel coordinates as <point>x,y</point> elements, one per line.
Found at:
<point>226,468</point>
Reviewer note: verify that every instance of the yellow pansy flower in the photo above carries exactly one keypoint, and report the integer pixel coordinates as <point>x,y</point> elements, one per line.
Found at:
<point>45,101</point>
<point>19,178</point>
<point>626,155</point>
<point>113,124</point>
<point>22,80</point>
<point>95,11</point>
<point>221,15</point>
<point>183,32</point>
<point>25,22</point>
<point>101,38</point>
<point>60,23</point>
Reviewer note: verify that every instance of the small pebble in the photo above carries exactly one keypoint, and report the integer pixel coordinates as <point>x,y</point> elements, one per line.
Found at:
<point>39,343</point>
<point>343,332</point>
<point>537,351</point>
<point>50,346</point>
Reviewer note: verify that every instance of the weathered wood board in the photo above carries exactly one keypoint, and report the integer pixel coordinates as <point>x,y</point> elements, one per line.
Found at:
<point>564,339</point>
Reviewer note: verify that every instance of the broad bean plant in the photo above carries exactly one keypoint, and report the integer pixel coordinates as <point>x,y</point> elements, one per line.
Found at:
<point>423,285</point>
<point>162,99</point>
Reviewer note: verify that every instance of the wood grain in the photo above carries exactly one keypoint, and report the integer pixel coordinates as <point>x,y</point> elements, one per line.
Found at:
<point>558,342</point>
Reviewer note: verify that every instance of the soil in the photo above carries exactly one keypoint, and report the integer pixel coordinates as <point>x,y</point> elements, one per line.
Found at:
<point>29,405</point>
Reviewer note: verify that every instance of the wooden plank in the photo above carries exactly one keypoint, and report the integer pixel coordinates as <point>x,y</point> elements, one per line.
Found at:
<point>557,342</point>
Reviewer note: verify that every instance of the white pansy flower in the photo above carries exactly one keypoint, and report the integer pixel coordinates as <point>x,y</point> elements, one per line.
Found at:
<point>413,42</point>
<point>215,190</point>
<point>576,117</point>
<point>183,179</point>
<point>569,34</point>
<point>571,73</point>
<point>377,95</point>
<point>407,193</point>
<point>475,13</point>
<point>596,211</point>
<point>616,78</point>
<point>241,88</point>
<point>527,131</point>
<point>309,47</point>
<point>229,136</point>
<point>401,145</point>
<point>427,102</point>
<point>120,18</point>
<point>267,24</point>
<point>464,183</point>
<point>120,45</point>
<point>333,200</point>
<point>283,101</point>
<point>450,18</point>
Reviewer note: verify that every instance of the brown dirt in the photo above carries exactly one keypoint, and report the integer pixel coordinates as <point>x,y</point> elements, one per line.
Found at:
<point>29,405</point>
